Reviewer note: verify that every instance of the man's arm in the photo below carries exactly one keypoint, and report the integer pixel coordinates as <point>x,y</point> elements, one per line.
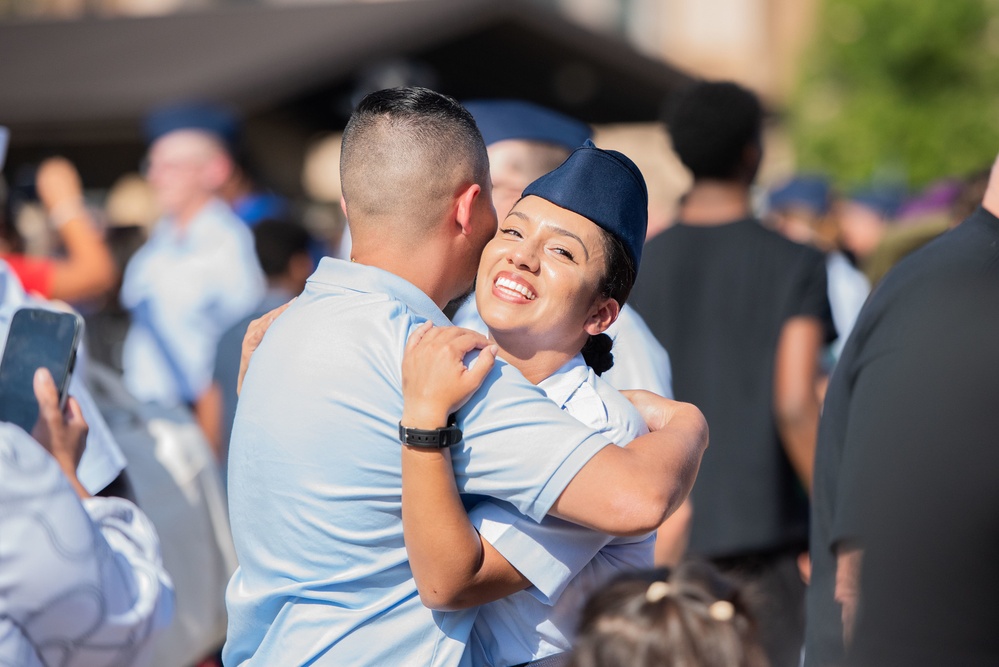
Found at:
<point>208,410</point>
<point>796,401</point>
<point>847,593</point>
<point>673,536</point>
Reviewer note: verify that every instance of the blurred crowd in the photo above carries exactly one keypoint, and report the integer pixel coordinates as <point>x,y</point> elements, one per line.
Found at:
<point>762,302</point>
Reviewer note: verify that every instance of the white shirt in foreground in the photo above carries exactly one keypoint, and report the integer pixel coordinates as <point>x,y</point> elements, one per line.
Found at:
<point>81,584</point>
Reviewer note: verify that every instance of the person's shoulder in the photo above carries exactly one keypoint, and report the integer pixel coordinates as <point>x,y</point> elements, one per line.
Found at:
<point>221,229</point>
<point>665,242</point>
<point>780,245</point>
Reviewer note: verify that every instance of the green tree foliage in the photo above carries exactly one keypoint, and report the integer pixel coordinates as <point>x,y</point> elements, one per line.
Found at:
<point>906,89</point>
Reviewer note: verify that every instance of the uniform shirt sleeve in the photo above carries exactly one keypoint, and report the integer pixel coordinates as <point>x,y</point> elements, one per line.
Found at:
<point>551,553</point>
<point>518,445</point>
<point>103,459</point>
<point>82,581</point>
<point>810,295</point>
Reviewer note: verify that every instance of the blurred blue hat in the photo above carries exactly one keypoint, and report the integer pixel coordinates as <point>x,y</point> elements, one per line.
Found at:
<point>193,116</point>
<point>885,200</point>
<point>516,119</point>
<point>605,187</point>
<point>811,192</point>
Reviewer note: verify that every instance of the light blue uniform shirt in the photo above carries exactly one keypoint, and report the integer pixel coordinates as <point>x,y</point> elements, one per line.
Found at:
<point>183,289</point>
<point>564,562</point>
<point>315,478</point>
<point>640,362</point>
<point>102,459</point>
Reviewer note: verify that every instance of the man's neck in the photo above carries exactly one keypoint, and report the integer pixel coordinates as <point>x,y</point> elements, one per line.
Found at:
<point>183,217</point>
<point>419,266</point>
<point>715,202</point>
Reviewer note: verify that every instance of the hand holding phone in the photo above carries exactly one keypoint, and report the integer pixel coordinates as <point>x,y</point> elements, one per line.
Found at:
<point>62,432</point>
<point>37,338</point>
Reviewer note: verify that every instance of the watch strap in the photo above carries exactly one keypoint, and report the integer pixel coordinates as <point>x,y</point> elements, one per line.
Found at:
<point>438,438</point>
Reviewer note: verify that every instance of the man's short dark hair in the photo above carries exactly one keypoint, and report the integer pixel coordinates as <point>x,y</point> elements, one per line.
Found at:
<point>711,124</point>
<point>405,149</point>
<point>276,243</point>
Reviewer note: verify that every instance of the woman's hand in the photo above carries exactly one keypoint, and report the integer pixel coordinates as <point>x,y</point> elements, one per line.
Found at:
<point>435,380</point>
<point>59,189</point>
<point>251,340</point>
<point>655,410</point>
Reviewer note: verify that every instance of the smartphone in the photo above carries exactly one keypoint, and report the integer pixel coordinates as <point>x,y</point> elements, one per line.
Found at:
<point>37,338</point>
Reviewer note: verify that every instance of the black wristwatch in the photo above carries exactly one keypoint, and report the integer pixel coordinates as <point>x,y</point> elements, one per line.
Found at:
<point>438,438</point>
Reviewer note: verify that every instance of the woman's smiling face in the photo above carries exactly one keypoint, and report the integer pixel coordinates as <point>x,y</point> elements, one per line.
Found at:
<point>539,279</point>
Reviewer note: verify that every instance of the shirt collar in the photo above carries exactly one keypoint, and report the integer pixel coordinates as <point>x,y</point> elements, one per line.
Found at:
<point>563,383</point>
<point>206,217</point>
<point>372,280</point>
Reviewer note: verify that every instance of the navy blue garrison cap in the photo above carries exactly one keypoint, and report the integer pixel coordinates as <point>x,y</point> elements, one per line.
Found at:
<point>810,192</point>
<point>515,119</point>
<point>605,187</point>
<point>884,199</point>
<point>196,116</point>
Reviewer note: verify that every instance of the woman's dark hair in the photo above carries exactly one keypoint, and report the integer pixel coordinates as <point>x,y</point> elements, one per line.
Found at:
<point>691,618</point>
<point>619,277</point>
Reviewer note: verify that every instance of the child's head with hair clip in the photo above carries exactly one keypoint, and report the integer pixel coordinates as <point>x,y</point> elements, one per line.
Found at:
<point>690,618</point>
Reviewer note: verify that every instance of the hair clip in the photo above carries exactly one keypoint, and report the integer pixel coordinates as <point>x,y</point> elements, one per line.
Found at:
<point>723,610</point>
<point>657,591</point>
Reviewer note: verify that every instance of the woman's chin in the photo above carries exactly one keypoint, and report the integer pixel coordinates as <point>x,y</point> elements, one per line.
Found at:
<point>502,324</point>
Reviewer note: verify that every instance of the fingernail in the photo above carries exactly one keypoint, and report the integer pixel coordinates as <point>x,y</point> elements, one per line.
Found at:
<point>41,375</point>
<point>493,349</point>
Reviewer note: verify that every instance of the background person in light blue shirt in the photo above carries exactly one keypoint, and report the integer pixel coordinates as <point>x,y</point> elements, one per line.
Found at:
<point>197,274</point>
<point>314,466</point>
<point>549,286</point>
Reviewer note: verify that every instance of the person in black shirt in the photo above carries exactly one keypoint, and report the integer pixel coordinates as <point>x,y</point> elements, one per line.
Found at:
<point>745,314</point>
<point>906,506</point>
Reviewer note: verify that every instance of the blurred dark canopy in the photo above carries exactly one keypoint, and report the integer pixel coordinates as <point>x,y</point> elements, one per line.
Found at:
<point>90,82</point>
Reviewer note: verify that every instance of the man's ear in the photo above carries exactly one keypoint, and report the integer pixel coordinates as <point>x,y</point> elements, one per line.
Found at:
<point>216,171</point>
<point>343,206</point>
<point>465,206</point>
<point>604,314</point>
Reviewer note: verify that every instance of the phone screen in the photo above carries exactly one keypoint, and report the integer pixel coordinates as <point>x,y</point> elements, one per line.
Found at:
<point>37,338</point>
<point>4,139</point>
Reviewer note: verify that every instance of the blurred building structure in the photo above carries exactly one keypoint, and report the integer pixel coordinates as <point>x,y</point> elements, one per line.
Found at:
<point>294,71</point>
<point>78,75</point>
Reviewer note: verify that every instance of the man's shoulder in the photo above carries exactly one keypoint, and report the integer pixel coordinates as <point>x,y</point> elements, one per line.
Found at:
<point>783,247</point>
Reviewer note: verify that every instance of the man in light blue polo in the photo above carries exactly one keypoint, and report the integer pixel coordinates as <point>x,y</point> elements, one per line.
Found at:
<point>314,468</point>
